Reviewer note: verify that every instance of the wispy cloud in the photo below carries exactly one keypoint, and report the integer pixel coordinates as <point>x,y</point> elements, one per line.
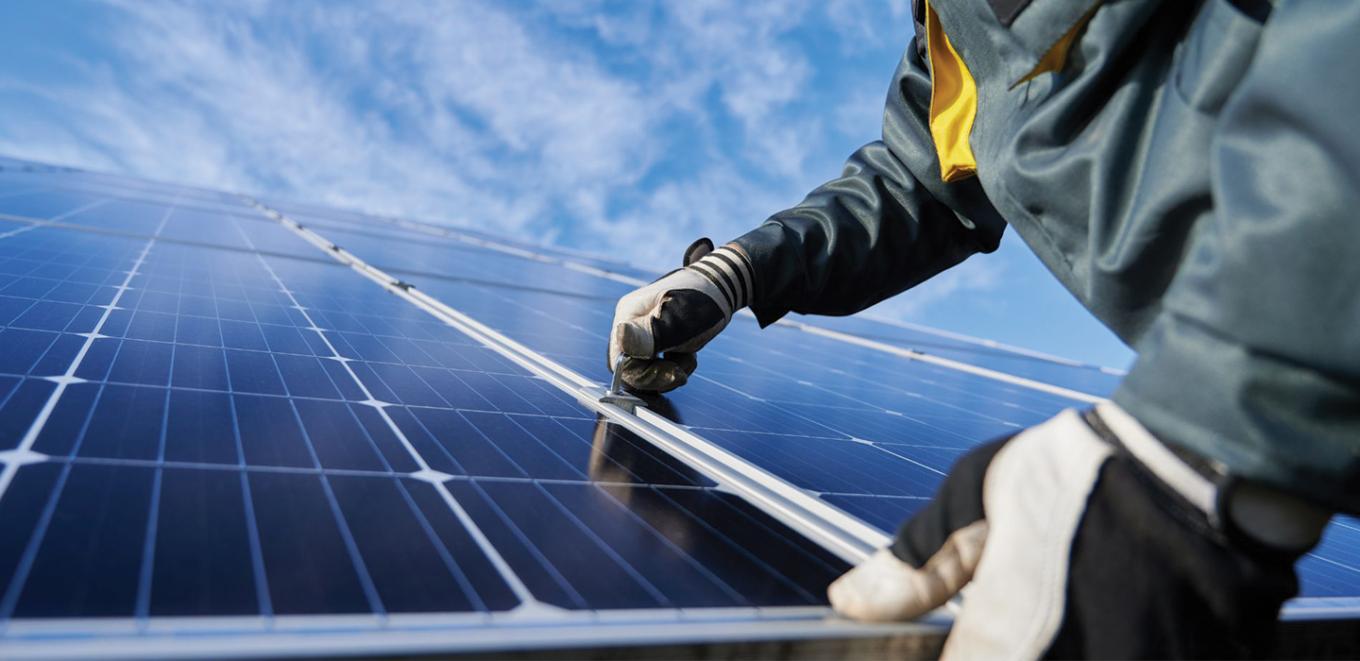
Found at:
<point>863,30</point>
<point>465,112</point>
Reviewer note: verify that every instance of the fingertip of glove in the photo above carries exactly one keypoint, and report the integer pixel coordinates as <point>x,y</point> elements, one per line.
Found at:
<point>880,589</point>
<point>653,376</point>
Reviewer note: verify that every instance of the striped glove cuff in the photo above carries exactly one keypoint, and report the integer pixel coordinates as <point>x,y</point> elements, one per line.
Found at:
<point>729,269</point>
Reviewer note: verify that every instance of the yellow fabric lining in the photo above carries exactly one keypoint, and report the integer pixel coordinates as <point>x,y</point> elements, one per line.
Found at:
<point>1056,56</point>
<point>953,103</point>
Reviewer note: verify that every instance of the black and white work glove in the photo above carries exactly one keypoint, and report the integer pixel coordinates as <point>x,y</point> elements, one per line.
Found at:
<point>1087,537</point>
<point>659,327</point>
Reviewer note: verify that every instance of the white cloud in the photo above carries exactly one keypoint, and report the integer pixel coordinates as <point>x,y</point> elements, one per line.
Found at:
<point>687,122</point>
<point>860,114</point>
<point>863,25</point>
<point>718,203</point>
<point>227,98</point>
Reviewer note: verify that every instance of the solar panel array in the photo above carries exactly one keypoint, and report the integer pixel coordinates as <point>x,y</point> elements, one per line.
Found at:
<point>209,424</point>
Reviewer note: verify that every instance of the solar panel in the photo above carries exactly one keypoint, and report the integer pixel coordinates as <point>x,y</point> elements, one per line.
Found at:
<point>213,422</point>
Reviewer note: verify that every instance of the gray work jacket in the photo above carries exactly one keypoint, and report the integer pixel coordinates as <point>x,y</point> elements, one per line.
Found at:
<point>1190,171</point>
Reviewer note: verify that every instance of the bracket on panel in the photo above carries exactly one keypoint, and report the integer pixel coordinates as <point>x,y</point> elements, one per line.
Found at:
<point>615,394</point>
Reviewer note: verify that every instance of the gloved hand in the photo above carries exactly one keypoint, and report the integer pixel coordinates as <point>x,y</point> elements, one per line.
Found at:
<point>1087,537</point>
<point>659,327</point>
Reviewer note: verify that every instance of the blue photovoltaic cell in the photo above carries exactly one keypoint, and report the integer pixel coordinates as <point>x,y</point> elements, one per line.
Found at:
<point>102,511</point>
<point>203,547</point>
<point>21,512</point>
<point>253,423</point>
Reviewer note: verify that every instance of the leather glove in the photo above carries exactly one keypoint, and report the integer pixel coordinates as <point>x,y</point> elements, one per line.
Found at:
<point>659,327</point>
<point>1087,537</point>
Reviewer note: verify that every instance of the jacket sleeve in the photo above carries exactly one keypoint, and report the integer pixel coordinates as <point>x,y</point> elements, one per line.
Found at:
<point>886,224</point>
<point>1255,357</point>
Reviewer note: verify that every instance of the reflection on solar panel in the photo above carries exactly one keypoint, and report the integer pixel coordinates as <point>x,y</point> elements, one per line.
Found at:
<point>285,428</point>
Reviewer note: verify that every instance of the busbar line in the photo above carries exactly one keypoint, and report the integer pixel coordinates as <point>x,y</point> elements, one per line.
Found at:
<point>945,362</point>
<point>991,344</point>
<point>824,524</point>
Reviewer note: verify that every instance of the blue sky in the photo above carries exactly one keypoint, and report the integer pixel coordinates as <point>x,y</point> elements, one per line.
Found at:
<point>624,128</point>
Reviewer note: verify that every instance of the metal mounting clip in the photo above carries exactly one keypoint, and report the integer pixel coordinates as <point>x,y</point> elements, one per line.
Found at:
<point>616,395</point>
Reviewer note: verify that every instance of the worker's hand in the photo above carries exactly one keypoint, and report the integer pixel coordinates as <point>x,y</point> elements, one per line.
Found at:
<point>1087,537</point>
<point>660,326</point>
